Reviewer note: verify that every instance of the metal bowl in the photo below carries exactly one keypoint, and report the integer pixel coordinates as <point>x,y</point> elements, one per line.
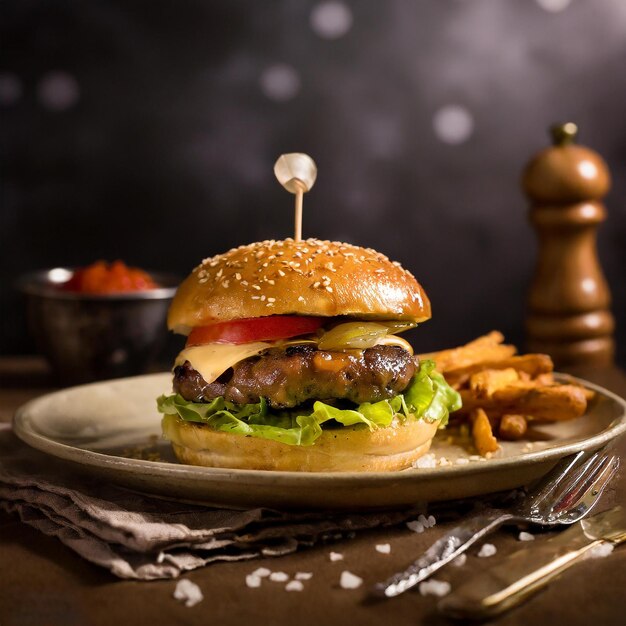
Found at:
<point>89,337</point>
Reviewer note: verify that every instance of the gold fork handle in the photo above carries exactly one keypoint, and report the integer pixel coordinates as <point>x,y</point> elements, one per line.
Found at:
<point>515,579</point>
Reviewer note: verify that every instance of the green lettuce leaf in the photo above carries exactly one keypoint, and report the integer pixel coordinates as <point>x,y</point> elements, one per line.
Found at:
<point>428,397</point>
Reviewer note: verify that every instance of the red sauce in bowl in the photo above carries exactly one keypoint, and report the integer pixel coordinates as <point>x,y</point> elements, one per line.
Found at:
<point>102,278</point>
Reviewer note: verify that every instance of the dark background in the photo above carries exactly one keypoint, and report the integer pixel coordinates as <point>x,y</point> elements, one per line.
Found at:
<point>147,131</point>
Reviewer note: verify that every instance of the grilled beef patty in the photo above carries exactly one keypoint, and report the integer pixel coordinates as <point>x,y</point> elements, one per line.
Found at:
<point>288,377</point>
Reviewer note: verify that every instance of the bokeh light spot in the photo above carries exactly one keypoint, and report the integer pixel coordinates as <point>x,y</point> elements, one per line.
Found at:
<point>331,20</point>
<point>280,82</point>
<point>453,124</point>
<point>58,91</point>
<point>10,89</point>
<point>554,6</point>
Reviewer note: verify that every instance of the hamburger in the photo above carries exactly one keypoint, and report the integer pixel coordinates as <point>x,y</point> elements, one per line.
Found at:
<point>293,361</point>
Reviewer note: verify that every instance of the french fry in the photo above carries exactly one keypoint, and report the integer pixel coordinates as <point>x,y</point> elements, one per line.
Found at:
<point>486,348</point>
<point>534,365</point>
<point>512,427</point>
<point>504,392</point>
<point>543,403</point>
<point>482,434</point>
<point>590,394</point>
<point>487,382</point>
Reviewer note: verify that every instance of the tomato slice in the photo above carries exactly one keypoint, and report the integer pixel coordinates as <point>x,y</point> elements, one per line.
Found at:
<point>252,329</point>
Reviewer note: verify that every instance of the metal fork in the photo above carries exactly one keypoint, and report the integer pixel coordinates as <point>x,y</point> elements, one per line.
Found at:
<point>564,496</point>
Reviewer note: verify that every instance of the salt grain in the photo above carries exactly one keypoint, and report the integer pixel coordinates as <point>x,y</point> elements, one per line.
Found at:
<point>279,577</point>
<point>487,550</point>
<point>437,588</point>
<point>349,580</point>
<point>262,572</point>
<point>600,551</point>
<point>426,461</point>
<point>294,585</point>
<point>415,526</point>
<point>523,536</point>
<point>427,522</point>
<point>253,581</point>
<point>304,576</point>
<point>336,556</point>
<point>383,548</point>
<point>188,592</point>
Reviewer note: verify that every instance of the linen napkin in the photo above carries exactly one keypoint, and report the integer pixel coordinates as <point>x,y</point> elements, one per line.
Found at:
<point>144,537</point>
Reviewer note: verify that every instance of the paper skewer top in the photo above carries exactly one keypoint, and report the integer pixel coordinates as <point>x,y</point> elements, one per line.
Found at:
<point>296,171</point>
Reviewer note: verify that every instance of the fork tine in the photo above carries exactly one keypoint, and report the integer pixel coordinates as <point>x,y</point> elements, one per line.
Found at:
<point>584,492</point>
<point>558,488</point>
<point>553,480</point>
<point>587,472</point>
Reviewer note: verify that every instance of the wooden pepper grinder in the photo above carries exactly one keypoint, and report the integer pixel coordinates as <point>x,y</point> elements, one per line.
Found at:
<point>569,298</point>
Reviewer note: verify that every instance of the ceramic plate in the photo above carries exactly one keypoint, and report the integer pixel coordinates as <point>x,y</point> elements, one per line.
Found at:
<point>112,429</point>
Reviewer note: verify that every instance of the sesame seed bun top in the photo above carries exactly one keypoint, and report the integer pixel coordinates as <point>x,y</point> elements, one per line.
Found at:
<point>288,277</point>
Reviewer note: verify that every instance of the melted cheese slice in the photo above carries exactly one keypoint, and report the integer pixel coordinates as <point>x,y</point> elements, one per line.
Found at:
<point>213,359</point>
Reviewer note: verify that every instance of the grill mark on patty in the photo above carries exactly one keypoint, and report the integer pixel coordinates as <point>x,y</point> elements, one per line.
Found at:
<point>289,377</point>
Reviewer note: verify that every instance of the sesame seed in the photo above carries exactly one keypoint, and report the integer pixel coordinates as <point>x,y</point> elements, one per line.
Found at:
<point>329,289</point>
<point>300,299</point>
<point>203,280</point>
<point>281,273</point>
<point>270,304</point>
<point>256,297</point>
<point>271,282</point>
<point>271,299</point>
<point>219,274</point>
<point>256,287</point>
<point>244,283</point>
<point>238,276</point>
<point>316,284</point>
<point>225,284</point>
<point>262,298</point>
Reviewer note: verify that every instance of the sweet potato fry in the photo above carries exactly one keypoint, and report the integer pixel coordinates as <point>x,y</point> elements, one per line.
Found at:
<point>482,434</point>
<point>543,403</point>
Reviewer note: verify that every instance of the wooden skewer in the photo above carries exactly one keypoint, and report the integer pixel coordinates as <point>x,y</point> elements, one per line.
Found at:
<point>296,172</point>
<point>297,234</point>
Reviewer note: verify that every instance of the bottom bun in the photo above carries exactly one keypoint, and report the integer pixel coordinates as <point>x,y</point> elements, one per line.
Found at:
<point>345,449</point>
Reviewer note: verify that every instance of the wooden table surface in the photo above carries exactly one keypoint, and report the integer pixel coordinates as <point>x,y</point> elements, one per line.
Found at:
<point>44,583</point>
